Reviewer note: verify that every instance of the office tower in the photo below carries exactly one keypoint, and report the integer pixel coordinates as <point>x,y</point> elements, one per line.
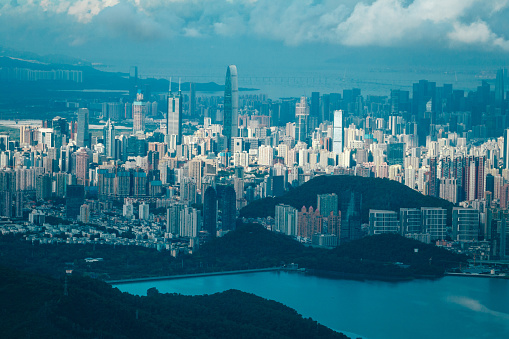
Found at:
<point>82,161</point>
<point>499,91</point>
<point>192,99</point>
<point>74,198</point>
<point>325,107</point>
<point>227,206</point>
<point>434,222</point>
<point>210,211</point>
<point>174,117</point>
<point>337,138</point>
<point>465,224</point>
<point>351,205</point>
<point>327,204</point>
<point>5,204</point>
<point>60,184</point>
<point>231,104</point>
<point>302,116</point>
<point>109,139</point>
<point>315,106</point>
<point>506,149</point>
<point>139,112</point>
<point>381,222</point>
<point>410,221</point>
<point>133,82</point>
<point>83,137</point>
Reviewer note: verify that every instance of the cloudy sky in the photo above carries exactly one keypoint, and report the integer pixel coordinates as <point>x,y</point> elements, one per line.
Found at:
<point>260,33</point>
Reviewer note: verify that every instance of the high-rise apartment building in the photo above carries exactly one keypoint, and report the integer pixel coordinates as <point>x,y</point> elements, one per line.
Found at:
<point>231,104</point>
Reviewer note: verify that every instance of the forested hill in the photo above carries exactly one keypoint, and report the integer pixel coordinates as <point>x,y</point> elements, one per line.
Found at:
<point>382,194</point>
<point>36,307</point>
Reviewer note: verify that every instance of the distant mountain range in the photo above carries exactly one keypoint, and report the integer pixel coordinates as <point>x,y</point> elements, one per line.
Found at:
<point>92,77</point>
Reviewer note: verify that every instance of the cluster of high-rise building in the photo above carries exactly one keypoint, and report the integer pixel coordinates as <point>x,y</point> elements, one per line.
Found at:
<point>209,156</point>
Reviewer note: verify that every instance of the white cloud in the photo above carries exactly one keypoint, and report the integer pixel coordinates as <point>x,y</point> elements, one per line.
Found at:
<point>347,22</point>
<point>477,33</point>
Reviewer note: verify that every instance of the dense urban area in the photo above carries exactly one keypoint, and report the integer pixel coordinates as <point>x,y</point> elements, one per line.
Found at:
<point>170,170</point>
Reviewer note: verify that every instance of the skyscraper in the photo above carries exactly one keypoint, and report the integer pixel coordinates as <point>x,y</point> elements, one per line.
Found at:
<point>210,211</point>
<point>192,99</point>
<point>109,139</point>
<point>301,115</point>
<point>83,137</point>
<point>315,105</point>
<point>499,91</point>
<point>337,141</point>
<point>506,148</point>
<point>174,117</point>
<point>327,204</point>
<point>231,104</point>
<point>139,113</point>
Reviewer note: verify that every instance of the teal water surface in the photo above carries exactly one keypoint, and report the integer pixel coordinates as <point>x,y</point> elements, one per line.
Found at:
<point>451,307</point>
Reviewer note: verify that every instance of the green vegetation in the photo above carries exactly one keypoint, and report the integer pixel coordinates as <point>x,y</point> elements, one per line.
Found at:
<point>250,246</point>
<point>382,194</point>
<point>35,306</point>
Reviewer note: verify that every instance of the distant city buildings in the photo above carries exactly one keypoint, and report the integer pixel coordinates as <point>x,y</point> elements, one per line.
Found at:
<point>196,159</point>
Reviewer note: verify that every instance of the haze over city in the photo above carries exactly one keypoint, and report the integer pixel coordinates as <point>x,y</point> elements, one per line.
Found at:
<point>254,168</point>
<point>341,39</point>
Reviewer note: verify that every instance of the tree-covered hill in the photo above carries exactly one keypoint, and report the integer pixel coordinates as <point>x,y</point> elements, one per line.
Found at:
<point>250,246</point>
<point>36,307</point>
<point>382,194</point>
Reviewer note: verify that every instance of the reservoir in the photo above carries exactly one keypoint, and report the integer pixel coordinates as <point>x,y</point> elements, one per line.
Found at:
<point>451,307</point>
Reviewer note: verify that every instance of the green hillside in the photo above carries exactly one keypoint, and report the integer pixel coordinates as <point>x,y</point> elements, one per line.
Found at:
<point>36,307</point>
<point>382,194</point>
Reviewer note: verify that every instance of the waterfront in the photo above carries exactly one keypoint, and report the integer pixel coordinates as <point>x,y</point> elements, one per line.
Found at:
<point>451,307</point>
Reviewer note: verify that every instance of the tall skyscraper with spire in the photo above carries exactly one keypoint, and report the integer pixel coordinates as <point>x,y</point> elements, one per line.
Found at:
<point>231,104</point>
<point>109,139</point>
<point>174,117</point>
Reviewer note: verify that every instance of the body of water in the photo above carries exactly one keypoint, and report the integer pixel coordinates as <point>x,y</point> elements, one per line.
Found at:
<point>451,307</point>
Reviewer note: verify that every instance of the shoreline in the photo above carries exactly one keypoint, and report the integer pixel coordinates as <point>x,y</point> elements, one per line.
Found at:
<point>189,276</point>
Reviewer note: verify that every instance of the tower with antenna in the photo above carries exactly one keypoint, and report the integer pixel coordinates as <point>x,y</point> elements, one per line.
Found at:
<point>174,118</point>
